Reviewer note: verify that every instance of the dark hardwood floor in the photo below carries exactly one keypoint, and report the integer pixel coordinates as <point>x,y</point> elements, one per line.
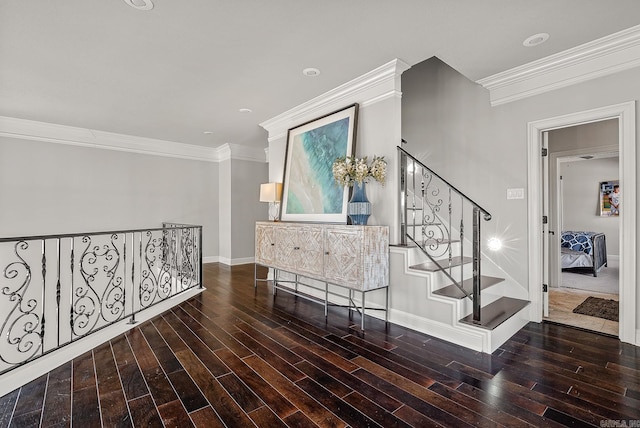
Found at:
<point>235,357</point>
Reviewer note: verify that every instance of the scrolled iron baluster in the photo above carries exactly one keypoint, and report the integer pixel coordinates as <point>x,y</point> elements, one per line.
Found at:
<point>435,233</point>
<point>21,326</point>
<point>113,295</point>
<point>148,280</point>
<point>87,303</point>
<point>98,267</point>
<point>187,273</point>
<point>156,278</point>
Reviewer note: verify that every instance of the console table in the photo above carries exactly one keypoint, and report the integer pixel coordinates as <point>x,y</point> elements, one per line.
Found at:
<point>352,257</point>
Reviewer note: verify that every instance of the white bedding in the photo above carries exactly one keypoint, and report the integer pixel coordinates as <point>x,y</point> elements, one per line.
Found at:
<point>574,259</point>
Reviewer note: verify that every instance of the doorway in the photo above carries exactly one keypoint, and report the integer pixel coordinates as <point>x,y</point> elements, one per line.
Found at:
<point>583,277</point>
<point>625,114</point>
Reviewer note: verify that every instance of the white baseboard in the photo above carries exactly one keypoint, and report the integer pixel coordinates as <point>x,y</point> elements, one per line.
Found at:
<point>233,262</point>
<point>467,338</point>
<point>211,259</point>
<point>38,367</point>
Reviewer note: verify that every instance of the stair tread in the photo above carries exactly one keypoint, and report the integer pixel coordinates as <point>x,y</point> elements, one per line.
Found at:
<point>454,292</point>
<point>497,312</point>
<point>430,266</point>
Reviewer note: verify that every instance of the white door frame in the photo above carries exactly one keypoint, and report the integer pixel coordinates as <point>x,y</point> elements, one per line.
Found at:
<point>626,115</point>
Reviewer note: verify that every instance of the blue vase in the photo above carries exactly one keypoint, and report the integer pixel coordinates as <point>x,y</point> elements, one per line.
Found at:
<point>359,208</point>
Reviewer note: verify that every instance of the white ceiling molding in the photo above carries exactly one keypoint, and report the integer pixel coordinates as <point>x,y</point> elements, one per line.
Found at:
<point>611,54</point>
<point>374,86</point>
<point>239,152</point>
<point>61,134</point>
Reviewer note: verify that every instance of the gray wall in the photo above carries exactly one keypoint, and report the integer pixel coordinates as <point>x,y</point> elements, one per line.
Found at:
<point>224,225</point>
<point>483,150</point>
<point>50,188</point>
<point>246,208</point>
<point>589,135</point>
<point>450,126</point>
<point>581,180</point>
<point>240,208</point>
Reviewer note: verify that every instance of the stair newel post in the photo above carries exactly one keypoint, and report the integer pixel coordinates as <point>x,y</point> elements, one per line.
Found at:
<point>402,182</point>
<point>476,265</point>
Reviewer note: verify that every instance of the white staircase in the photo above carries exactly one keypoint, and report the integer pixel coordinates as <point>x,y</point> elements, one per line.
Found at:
<point>467,298</point>
<point>440,309</point>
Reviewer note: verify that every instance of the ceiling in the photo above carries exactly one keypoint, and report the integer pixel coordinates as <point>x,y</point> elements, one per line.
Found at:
<point>188,66</point>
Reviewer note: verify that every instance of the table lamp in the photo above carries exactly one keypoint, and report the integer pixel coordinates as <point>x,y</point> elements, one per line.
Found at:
<point>272,193</point>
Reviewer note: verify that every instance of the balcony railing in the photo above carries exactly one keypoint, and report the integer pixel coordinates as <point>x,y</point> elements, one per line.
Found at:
<point>58,289</point>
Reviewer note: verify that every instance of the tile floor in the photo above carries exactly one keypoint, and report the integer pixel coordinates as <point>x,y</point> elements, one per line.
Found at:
<point>562,301</point>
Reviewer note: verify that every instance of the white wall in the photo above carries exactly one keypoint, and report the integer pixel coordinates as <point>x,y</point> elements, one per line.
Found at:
<point>581,180</point>
<point>50,188</point>
<point>483,149</point>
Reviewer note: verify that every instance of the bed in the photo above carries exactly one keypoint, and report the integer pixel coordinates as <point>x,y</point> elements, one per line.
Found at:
<point>583,250</point>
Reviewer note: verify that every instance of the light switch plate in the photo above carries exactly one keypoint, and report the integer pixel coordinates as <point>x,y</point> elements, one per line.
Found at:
<point>515,193</point>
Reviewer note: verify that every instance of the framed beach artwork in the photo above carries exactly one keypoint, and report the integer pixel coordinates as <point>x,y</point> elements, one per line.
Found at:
<point>310,193</point>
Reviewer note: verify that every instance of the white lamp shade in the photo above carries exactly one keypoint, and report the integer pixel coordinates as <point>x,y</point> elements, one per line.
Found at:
<point>270,192</point>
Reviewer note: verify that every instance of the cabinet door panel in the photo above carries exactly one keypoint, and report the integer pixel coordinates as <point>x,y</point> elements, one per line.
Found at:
<point>309,255</point>
<point>265,244</point>
<point>343,257</point>
<point>286,244</point>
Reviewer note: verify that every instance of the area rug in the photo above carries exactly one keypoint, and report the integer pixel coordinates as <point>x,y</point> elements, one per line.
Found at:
<point>597,307</point>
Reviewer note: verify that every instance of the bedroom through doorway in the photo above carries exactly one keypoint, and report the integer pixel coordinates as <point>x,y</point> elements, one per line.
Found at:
<point>584,283</point>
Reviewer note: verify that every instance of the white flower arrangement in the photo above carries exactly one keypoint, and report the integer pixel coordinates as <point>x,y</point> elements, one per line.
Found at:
<point>348,170</point>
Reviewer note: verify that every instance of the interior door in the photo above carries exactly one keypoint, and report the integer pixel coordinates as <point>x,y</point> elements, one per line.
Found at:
<point>545,223</point>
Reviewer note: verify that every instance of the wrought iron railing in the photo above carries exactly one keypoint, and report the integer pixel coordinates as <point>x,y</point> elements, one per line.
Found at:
<point>57,289</point>
<point>434,215</point>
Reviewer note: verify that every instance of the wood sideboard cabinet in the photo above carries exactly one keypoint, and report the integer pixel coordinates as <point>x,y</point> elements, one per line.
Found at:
<point>353,257</point>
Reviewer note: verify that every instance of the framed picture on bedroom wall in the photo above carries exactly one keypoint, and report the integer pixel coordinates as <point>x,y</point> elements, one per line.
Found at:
<point>610,198</point>
<point>310,192</point>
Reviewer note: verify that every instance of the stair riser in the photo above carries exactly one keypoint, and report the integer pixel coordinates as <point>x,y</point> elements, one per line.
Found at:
<point>441,280</point>
<point>417,257</point>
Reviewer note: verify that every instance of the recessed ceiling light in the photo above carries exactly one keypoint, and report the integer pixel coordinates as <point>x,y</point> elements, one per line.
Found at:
<point>311,72</point>
<point>140,4</point>
<point>208,132</point>
<point>245,110</point>
<point>535,40</point>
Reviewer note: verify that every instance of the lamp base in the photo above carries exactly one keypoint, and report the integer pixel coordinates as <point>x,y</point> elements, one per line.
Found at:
<point>274,211</point>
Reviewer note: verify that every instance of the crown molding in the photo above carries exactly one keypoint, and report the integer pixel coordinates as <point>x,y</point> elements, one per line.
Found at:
<point>374,86</point>
<point>61,134</point>
<point>611,54</point>
<point>239,152</point>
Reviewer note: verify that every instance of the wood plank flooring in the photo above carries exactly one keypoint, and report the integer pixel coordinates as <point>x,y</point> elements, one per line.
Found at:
<point>236,357</point>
